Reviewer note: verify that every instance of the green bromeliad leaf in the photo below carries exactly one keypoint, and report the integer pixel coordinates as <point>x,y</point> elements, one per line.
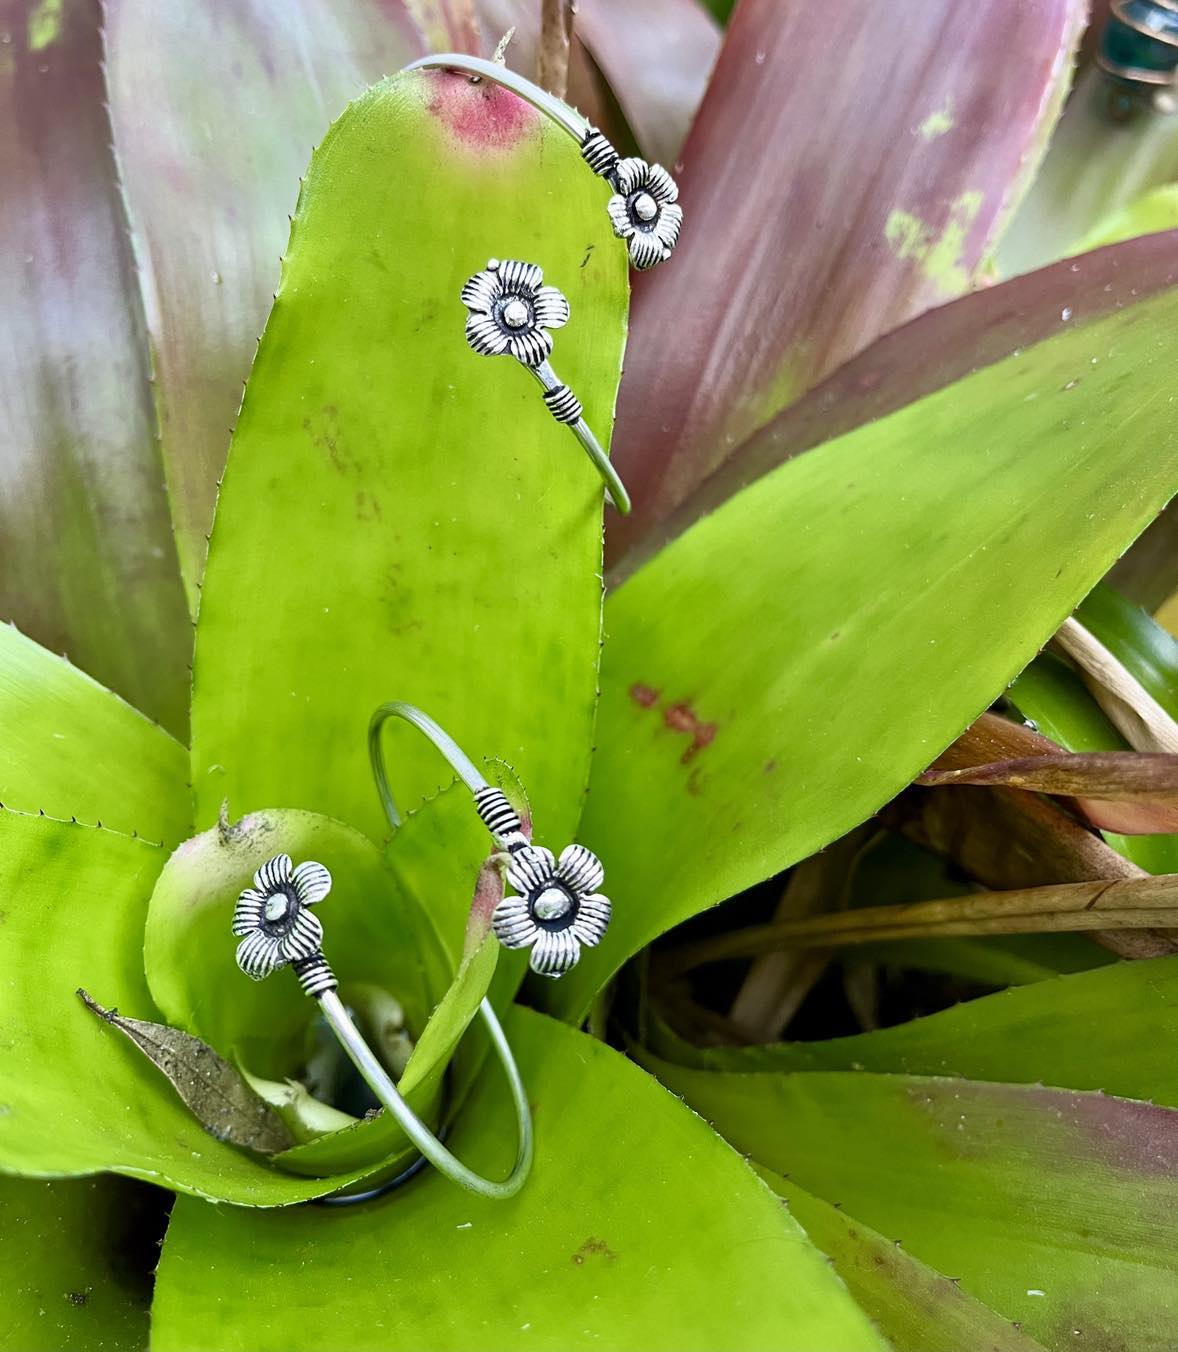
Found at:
<point>1093,1030</point>
<point>1146,215</point>
<point>380,934</point>
<point>77,1098</point>
<point>402,518</point>
<point>1135,638</point>
<point>1053,1208</point>
<point>77,1258</point>
<point>1053,694</point>
<point>635,1216</point>
<point>793,660</point>
<point>74,749</point>
<point>918,1309</point>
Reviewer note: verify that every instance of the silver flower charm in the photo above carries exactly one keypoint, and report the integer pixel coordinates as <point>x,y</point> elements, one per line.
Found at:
<point>644,211</point>
<point>274,919</point>
<point>558,908</point>
<point>511,311</point>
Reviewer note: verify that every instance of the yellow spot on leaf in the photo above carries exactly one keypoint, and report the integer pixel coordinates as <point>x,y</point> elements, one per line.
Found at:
<point>938,123</point>
<point>45,24</point>
<point>938,255</point>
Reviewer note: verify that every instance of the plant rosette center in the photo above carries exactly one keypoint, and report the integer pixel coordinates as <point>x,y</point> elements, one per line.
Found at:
<point>215,893</point>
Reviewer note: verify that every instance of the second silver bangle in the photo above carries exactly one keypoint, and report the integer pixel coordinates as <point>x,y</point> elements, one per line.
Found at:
<point>510,312</point>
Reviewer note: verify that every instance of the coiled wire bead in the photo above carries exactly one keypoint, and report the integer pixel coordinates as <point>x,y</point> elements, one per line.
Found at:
<point>598,153</point>
<point>315,975</point>
<point>499,817</point>
<point>563,404</point>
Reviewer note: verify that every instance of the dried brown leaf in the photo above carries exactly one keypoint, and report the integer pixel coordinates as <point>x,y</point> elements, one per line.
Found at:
<point>1137,716</point>
<point>1126,791</point>
<point>1006,839</point>
<point>1138,903</point>
<point>217,1093</point>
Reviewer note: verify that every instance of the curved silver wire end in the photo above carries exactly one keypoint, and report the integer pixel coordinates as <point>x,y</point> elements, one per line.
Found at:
<point>644,209</point>
<point>558,910</point>
<point>510,312</point>
<point>277,929</point>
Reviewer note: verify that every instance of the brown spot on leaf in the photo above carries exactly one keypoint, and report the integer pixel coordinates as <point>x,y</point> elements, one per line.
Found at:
<point>646,695</point>
<point>594,1248</point>
<point>682,718</point>
<point>323,431</point>
<point>367,508</point>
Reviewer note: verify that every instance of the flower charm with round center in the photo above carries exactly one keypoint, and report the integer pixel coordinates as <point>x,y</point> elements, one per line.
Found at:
<point>644,211</point>
<point>272,917</point>
<point>511,311</point>
<point>558,909</point>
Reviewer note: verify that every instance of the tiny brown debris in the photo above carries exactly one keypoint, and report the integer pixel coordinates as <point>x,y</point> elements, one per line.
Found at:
<point>594,1248</point>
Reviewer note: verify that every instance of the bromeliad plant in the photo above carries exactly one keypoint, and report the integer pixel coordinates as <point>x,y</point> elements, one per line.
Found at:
<point>850,535</point>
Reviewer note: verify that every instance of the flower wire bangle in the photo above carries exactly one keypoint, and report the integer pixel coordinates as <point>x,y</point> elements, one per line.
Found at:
<point>644,209</point>
<point>447,1163</point>
<point>558,910</point>
<point>276,926</point>
<point>578,127</point>
<point>510,312</point>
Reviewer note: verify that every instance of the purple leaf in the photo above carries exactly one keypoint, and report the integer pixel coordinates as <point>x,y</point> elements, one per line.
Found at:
<point>88,565</point>
<point>851,166</point>
<point>657,57</point>
<point>215,110</point>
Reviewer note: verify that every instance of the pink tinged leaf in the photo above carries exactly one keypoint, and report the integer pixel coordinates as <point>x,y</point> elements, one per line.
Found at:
<point>88,564</point>
<point>488,893</point>
<point>850,166</point>
<point>587,90</point>
<point>657,57</point>
<point>921,357</point>
<point>215,109</point>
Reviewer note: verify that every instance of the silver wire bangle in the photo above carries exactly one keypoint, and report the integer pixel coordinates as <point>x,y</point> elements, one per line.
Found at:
<point>558,910</point>
<point>572,121</point>
<point>644,209</point>
<point>277,928</point>
<point>510,313</point>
